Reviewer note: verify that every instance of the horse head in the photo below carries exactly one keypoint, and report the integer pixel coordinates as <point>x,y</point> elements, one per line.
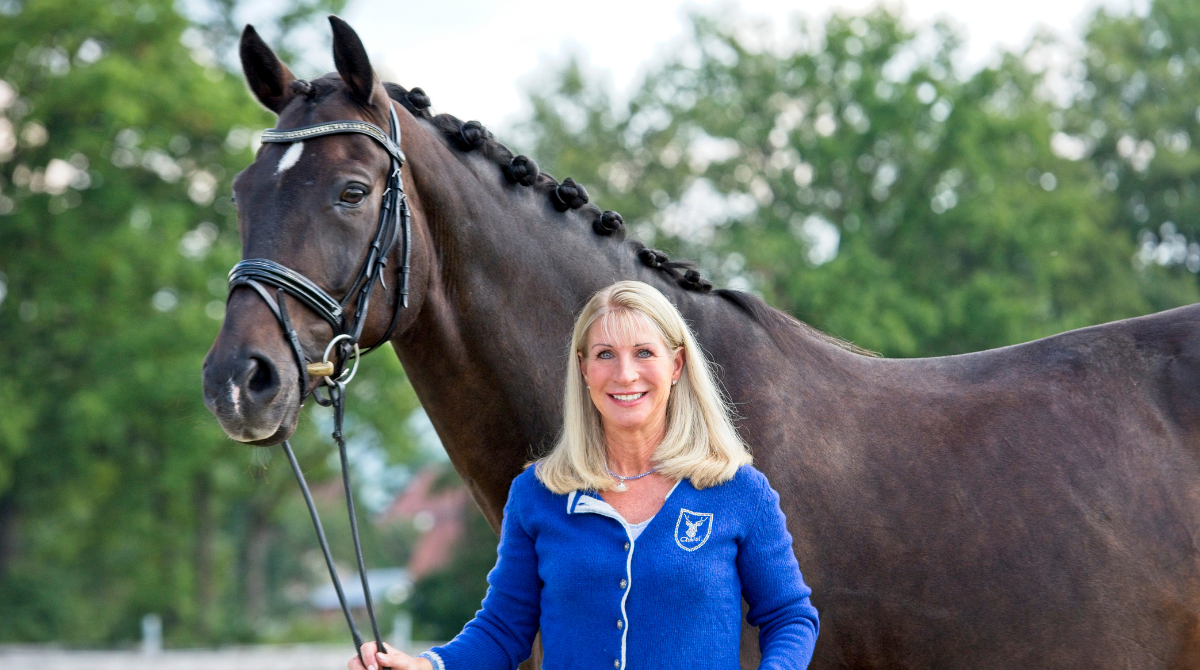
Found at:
<point>312,206</point>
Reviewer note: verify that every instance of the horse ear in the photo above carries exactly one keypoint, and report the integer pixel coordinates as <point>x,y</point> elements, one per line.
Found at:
<point>351,60</point>
<point>268,78</point>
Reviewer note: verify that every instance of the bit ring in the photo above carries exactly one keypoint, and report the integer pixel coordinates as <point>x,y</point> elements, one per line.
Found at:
<point>347,375</point>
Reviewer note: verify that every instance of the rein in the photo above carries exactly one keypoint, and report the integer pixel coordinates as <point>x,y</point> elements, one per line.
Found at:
<point>258,273</point>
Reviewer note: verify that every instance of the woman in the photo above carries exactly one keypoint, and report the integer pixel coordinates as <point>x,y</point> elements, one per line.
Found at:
<point>634,542</point>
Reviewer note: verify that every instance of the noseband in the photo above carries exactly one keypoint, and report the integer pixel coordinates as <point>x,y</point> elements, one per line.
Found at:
<point>257,273</point>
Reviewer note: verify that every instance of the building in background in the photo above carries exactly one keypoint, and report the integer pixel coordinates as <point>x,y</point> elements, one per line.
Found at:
<point>451,555</point>
<point>434,502</point>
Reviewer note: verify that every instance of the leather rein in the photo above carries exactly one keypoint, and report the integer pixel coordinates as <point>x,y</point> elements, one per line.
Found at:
<point>258,273</point>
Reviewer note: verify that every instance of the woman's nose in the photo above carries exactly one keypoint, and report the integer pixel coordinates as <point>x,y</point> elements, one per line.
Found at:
<point>626,371</point>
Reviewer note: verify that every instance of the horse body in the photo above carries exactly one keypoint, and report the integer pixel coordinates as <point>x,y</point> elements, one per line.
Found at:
<point>1034,505</point>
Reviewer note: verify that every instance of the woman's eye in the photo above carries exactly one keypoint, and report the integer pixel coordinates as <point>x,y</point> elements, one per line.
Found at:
<point>645,353</point>
<point>604,355</point>
<point>353,195</point>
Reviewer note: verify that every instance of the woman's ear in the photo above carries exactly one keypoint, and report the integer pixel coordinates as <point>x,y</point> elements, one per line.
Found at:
<point>680,359</point>
<point>582,367</point>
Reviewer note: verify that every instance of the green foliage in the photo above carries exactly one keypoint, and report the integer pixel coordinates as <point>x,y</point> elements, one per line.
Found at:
<point>119,495</point>
<point>1137,113</point>
<point>851,176</point>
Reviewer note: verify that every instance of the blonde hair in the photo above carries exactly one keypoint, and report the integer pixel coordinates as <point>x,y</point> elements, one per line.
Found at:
<point>700,444</point>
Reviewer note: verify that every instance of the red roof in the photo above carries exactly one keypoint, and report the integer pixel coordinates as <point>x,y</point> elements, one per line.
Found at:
<point>439,511</point>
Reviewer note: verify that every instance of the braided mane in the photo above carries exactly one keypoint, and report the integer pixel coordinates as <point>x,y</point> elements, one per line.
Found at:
<point>520,169</point>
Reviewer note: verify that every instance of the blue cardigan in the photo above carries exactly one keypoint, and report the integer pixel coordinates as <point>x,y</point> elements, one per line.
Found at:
<point>672,598</point>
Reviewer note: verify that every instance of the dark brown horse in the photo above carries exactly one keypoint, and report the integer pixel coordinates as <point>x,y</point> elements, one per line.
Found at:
<point>1032,506</point>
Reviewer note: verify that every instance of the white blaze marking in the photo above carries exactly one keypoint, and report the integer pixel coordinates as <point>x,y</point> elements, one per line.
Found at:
<point>290,157</point>
<point>235,394</point>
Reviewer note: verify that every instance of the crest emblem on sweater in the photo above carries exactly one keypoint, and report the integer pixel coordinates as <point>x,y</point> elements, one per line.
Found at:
<point>692,529</point>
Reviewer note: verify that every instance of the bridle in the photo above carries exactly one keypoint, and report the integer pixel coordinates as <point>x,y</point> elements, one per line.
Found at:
<point>394,224</point>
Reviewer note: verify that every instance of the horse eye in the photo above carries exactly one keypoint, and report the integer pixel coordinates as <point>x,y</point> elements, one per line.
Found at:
<point>353,195</point>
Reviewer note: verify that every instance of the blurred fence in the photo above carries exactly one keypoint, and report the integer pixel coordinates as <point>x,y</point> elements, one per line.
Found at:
<point>290,657</point>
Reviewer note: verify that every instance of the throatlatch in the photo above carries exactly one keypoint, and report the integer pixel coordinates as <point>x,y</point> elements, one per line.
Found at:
<point>258,273</point>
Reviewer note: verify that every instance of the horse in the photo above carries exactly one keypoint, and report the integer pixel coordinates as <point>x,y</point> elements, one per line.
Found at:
<point>1035,505</point>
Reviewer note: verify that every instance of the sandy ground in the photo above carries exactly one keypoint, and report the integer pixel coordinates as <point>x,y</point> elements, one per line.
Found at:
<point>298,657</point>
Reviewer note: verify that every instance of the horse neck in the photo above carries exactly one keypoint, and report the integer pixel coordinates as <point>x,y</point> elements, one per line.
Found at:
<point>487,351</point>
<point>502,279</point>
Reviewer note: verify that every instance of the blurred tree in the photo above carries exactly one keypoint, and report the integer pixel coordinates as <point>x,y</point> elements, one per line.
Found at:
<point>1135,114</point>
<point>855,179</point>
<point>119,495</point>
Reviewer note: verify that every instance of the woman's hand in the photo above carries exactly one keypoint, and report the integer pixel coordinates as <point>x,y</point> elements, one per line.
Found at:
<point>389,658</point>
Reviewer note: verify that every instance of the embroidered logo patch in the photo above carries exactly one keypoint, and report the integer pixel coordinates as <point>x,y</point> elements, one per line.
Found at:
<point>692,529</point>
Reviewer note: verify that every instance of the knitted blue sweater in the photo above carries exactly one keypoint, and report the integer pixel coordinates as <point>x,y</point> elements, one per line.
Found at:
<point>672,598</point>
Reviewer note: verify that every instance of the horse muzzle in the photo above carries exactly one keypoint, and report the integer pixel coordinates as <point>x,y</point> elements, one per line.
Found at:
<point>253,399</point>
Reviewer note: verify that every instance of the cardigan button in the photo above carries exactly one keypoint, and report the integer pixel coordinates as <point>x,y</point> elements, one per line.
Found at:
<point>626,546</point>
<point>616,662</point>
<point>620,624</point>
<point>624,583</point>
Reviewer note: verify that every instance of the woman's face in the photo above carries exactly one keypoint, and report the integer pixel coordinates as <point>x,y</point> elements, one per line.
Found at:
<point>629,369</point>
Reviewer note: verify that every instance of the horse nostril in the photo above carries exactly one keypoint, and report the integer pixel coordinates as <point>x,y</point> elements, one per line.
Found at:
<point>263,383</point>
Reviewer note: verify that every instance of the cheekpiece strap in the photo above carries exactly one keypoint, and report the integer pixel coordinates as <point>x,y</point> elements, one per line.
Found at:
<point>273,135</point>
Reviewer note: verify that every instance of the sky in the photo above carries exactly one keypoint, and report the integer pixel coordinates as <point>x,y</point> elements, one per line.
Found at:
<point>478,58</point>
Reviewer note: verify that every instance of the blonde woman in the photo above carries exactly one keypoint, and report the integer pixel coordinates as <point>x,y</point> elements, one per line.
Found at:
<point>634,542</point>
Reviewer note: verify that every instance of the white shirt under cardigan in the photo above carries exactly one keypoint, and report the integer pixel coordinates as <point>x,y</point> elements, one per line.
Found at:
<point>667,597</point>
<point>635,529</point>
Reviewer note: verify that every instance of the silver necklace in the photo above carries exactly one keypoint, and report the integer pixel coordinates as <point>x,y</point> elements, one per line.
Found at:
<point>621,483</point>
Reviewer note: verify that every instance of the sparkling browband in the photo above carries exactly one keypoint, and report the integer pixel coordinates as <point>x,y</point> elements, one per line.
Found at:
<point>334,128</point>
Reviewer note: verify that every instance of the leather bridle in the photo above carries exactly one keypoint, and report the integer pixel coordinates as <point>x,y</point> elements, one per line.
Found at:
<point>394,223</point>
<point>257,273</point>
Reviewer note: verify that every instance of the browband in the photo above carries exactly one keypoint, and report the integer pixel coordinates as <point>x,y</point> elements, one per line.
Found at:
<point>272,135</point>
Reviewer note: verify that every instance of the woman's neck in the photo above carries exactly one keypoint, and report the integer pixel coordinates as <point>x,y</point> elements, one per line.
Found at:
<point>631,452</point>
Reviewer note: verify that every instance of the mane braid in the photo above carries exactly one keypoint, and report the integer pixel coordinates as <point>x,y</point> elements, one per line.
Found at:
<point>316,90</point>
<point>783,329</point>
